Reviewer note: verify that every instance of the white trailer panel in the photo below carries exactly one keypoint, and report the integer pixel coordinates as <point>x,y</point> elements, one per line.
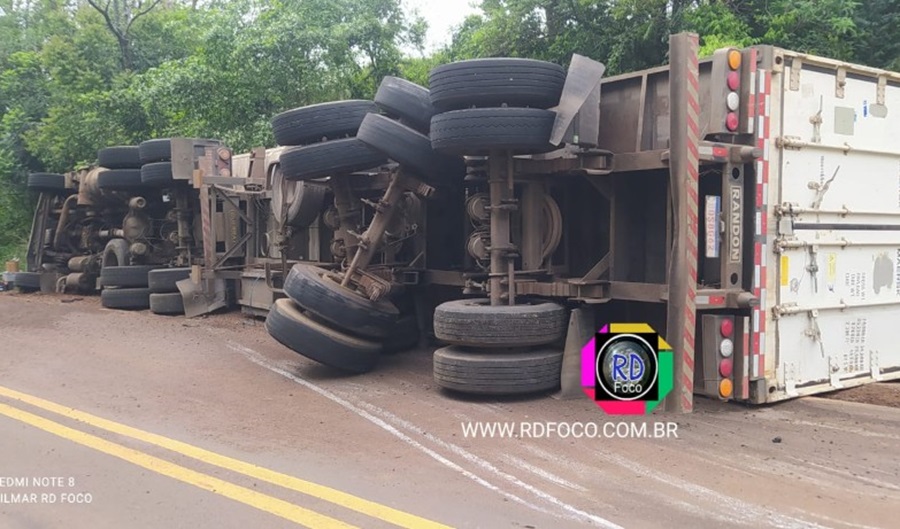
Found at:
<point>834,227</point>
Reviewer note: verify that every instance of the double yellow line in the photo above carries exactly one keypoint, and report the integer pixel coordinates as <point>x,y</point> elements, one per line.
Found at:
<point>263,502</point>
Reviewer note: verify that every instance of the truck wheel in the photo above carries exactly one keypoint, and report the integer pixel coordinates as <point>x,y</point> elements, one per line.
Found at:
<point>303,201</point>
<point>310,124</point>
<point>475,323</point>
<point>164,280</point>
<point>410,149</point>
<point>496,82</point>
<point>47,182</point>
<point>497,374</point>
<point>312,339</point>
<point>152,151</point>
<point>480,130</point>
<point>27,281</point>
<point>168,304</point>
<point>157,174</point>
<point>125,276</point>
<point>120,157</point>
<point>120,179</point>
<point>329,158</point>
<point>404,336</point>
<point>319,291</point>
<point>406,101</point>
<point>125,298</point>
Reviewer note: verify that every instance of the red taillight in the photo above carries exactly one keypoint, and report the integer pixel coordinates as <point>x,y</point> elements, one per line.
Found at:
<point>734,81</point>
<point>726,367</point>
<point>731,121</point>
<point>727,328</point>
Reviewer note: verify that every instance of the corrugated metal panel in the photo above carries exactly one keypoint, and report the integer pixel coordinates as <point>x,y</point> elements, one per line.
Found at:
<point>838,192</point>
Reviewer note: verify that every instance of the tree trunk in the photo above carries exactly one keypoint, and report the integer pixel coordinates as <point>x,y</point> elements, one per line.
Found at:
<point>125,51</point>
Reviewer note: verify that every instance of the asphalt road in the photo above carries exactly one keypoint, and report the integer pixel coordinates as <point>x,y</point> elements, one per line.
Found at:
<point>167,422</point>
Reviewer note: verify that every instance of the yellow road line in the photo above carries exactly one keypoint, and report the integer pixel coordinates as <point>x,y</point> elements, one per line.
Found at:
<point>263,502</point>
<point>349,501</point>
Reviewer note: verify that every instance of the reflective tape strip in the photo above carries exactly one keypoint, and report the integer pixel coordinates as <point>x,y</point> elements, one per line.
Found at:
<point>693,213</point>
<point>763,135</point>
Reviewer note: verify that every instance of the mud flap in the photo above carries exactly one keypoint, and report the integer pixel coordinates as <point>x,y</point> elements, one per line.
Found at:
<point>202,298</point>
<point>582,82</point>
<point>580,332</point>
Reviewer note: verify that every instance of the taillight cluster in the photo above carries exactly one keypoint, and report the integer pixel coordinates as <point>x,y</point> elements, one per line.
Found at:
<point>719,349</point>
<point>733,100</point>
<point>725,113</point>
<point>726,358</point>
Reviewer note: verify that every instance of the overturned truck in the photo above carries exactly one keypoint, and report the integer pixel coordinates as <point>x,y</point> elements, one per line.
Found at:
<point>129,226</point>
<point>743,205</point>
<point>740,204</point>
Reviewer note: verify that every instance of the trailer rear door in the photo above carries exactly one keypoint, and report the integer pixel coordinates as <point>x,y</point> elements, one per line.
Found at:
<point>836,181</point>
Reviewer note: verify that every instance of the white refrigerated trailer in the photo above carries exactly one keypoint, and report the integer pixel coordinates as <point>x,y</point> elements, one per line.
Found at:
<point>830,229</point>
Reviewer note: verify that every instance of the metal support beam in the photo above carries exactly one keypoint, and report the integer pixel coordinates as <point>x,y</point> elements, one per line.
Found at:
<point>207,210</point>
<point>34,261</point>
<point>684,161</point>
<point>185,233</point>
<point>732,255</point>
<point>501,184</point>
<point>598,270</point>
<point>224,193</point>
<point>231,251</point>
<point>386,209</point>
<point>348,212</point>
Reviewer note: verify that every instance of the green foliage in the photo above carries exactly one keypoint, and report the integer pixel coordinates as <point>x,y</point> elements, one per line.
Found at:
<point>877,37</point>
<point>629,35</point>
<point>718,27</point>
<point>223,68</point>
<point>821,27</point>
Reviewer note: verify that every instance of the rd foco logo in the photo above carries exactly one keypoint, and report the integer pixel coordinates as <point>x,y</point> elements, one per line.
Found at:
<point>736,236</point>
<point>627,369</point>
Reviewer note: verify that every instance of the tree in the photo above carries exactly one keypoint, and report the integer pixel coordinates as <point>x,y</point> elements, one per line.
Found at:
<point>120,16</point>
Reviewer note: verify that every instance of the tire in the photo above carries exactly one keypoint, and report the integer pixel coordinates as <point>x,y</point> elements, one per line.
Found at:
<point>116,253</point>
<point>304,335</point>
<point>480,130</point>
<point>47,182</point>
<point>475,323</point>
<point>516,373</point>
<point>314,290</point>
<point>164,280</point>
<point>27,281</point>
<point>329,158</point>
<point>157,174</point>
<point>125,276</point>
<point>120,180</point>
<point>297,204</point>
<point>121,157</point>
<point>404,336</point>
<point>125,298</point>
<point>496,82</point>
<point>406,101</point>
<point>310,124</point>
<point>410,149</point>
<point>167,304</point>
<point>152,151</point>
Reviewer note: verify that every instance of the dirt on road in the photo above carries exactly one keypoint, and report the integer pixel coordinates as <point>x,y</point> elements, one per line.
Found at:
<point>887,394</point>
<point>391,436</point>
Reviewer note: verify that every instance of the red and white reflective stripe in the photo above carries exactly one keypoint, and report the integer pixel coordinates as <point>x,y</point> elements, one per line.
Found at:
<point>693,215</point>
<point>763,124</point>
<point>751,103</point>
<point>745,373</point>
